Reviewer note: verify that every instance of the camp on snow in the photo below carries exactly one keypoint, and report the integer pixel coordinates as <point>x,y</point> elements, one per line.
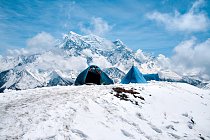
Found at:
<point>133,76</point>
<point>93,75</point>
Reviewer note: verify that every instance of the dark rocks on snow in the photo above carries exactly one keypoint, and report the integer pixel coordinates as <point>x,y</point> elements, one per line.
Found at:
<point>122,96</point>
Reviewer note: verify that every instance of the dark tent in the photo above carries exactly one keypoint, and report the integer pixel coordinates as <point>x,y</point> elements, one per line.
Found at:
<point>133,76</point>
<point>93,74</point>
<point>150,77</point>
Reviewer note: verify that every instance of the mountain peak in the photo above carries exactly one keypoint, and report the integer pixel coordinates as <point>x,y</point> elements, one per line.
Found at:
<point>72,33</point>
<point>75,52</point>
<point>56,79</point>
<point>118,42</point>
<point>54,74</point>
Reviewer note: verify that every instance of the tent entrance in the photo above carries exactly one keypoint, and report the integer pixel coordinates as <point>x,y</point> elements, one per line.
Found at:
<point>93,77</point>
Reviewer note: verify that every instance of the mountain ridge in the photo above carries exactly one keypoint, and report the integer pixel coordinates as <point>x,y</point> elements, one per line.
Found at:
<point>72,55</point>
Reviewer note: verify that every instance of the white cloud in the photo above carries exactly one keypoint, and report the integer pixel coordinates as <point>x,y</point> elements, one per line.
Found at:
<point>41,42</point>
<point>98,60</point>
<point>87,52</point>
<point>139,54</point>
<point>190,58</point>
<point>164,61</point>
<point>78,63</point>
<point>101,61</point>
<point>193,56</point>
<point>97,26</point>
<point>50,61</point>
<point>192,21</point>
<point>196,5</point>
<point>17,52</point>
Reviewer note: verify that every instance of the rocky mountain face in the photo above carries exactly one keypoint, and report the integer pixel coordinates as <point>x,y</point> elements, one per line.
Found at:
<point>69,57</point>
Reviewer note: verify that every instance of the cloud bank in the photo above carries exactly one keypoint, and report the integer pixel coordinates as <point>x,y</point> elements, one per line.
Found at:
<point>192,21</point>
<point>189,58</point>
<point>41,42</point>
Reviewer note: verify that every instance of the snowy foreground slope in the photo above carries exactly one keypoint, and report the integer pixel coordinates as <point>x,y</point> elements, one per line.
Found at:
<point>169,111</point>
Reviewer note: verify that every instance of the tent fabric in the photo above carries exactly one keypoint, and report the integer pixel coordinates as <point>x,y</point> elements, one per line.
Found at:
<point>133,76</point>
<point>93,74</point>
<point>150,77</point>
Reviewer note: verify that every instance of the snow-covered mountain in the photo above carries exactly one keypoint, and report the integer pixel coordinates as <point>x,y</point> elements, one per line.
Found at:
<point>155,111</point>
<point>114,73</point>
<point>18,78</point>
<point>95,48</point>
<point>72,55</point>
<point>56,79</point>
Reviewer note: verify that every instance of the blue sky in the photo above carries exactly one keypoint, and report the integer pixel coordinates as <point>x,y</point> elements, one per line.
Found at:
<point>153,26</point>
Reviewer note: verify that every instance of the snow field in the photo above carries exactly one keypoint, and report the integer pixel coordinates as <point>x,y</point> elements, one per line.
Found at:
<point>170,111</point>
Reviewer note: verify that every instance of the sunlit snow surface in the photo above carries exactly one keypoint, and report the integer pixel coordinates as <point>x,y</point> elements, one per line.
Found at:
<point>170,111</point>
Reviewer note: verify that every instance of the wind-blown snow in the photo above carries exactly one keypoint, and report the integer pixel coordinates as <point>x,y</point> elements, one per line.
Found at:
<point>170,111</point>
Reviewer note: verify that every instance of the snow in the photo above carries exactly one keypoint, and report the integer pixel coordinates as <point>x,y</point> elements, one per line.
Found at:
<point>169,111</point>
<point>168,74</point>
<point>100,61</point>
<point>98,42</point>
<point>85,50</point>
<point>139,54</point>
<point>7,63</point>
<point>207,86</point>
